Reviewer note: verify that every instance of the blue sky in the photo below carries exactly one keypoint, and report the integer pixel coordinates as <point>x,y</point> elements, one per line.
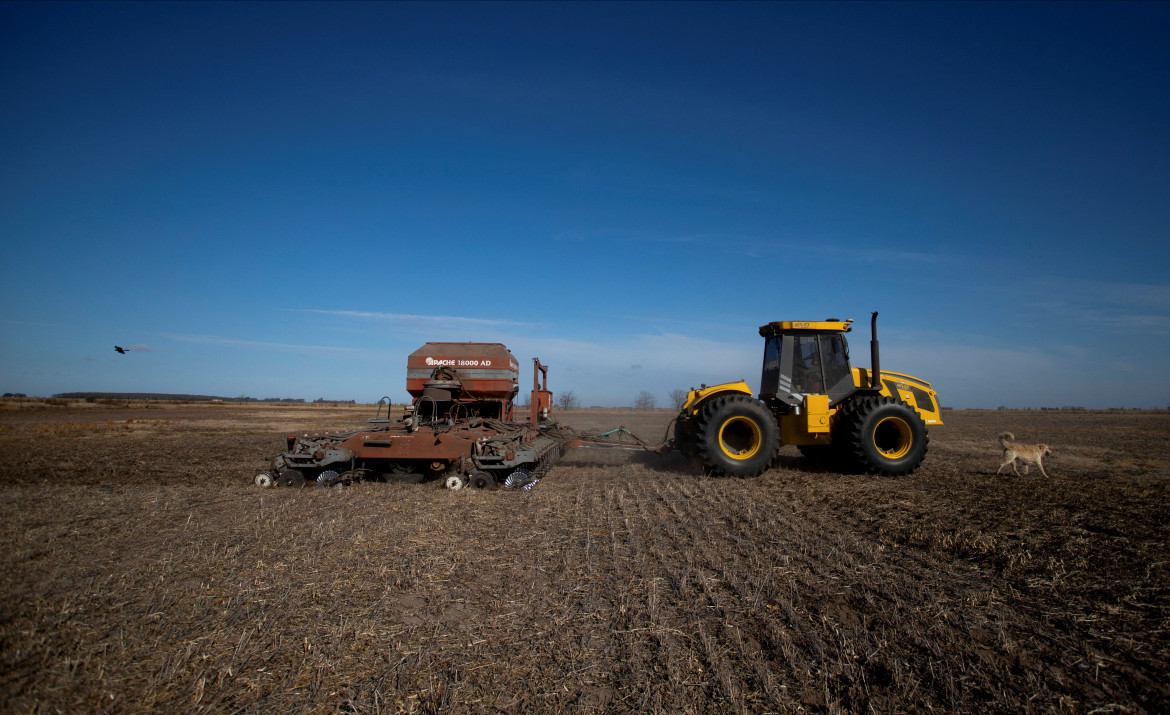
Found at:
<point>285,199</point>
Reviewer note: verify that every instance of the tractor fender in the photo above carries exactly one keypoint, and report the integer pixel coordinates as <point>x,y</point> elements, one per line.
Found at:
<point>697,398</point>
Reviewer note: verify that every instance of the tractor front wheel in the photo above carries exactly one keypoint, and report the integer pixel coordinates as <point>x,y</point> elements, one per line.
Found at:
<point>735,436</point>
<point>884,436</point>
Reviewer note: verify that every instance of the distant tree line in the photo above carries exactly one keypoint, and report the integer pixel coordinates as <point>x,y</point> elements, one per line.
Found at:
<point>185,398</point>
<point>135,396</point>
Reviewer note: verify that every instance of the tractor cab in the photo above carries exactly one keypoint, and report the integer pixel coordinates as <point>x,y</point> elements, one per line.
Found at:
<point>806,358</point>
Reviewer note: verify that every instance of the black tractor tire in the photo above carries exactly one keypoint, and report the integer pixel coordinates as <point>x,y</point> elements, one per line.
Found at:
<point>882,435</point>
<point>735,436</point>
<point>683,441</point>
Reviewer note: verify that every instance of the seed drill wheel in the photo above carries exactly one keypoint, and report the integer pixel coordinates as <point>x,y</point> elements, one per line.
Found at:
<point>264,479</point>
<point>353,476</point>
<point>884,436</point>
<point>291,478</point>
<point>482,480</point>
<point>329,478</point>
<point>455,482</point>
<point>735,435</point>
<point>403,473</point>
<point>519,479</point>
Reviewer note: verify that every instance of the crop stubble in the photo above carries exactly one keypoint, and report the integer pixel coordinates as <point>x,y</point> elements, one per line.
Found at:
<point>143,571</point>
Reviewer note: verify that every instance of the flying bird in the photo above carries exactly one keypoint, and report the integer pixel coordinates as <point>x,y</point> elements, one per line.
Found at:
<point>121,351</point>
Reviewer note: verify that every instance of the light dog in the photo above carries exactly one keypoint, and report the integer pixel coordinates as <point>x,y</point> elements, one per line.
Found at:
<point>1025,454</point>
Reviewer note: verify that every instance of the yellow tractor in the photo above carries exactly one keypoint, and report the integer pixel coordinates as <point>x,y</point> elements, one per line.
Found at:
<point>851,418</point>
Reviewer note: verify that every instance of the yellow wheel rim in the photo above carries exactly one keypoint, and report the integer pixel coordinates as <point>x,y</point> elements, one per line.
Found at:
<point>740,438</point>
<point>893,438</point>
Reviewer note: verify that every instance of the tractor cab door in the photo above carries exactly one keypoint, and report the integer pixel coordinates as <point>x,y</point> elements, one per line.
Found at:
<point>799,364</point>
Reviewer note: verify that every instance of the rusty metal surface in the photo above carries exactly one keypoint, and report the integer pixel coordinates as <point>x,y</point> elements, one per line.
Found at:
<point>487,371</point>
<point>485,444</point>
<point>540,406</point>
<point>459,422</point>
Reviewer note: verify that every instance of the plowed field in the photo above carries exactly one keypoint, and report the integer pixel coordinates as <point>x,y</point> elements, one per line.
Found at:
<point>143,571</point>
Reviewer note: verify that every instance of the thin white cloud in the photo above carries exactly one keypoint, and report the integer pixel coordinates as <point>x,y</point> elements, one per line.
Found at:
<point>215,339</point>
<point>666,354</point>
<point>603,373</point>
<point>973,370</point>
<point>34,323</point>
<point>427,320</point>
<point>1104,305</point>
<point>757,246</point>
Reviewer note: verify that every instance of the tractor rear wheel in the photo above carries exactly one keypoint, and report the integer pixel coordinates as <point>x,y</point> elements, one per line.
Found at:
<point>735,436</point>
<point>882,435</point>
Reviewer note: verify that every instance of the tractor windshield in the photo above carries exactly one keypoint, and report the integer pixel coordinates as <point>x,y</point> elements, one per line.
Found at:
<point>806,364</point>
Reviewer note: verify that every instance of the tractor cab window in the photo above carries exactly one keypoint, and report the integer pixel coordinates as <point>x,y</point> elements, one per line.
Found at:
<point>806,366</point>
<point>835,359</point>
<point>770,381</point>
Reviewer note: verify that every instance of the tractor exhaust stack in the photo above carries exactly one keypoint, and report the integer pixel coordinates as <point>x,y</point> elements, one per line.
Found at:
<point>875,379</point>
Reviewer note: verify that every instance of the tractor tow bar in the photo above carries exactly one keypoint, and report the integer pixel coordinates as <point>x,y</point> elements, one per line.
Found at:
<point>613,440</point>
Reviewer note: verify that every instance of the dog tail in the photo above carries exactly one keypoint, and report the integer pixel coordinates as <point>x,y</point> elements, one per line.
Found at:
<point>1004,438</point>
